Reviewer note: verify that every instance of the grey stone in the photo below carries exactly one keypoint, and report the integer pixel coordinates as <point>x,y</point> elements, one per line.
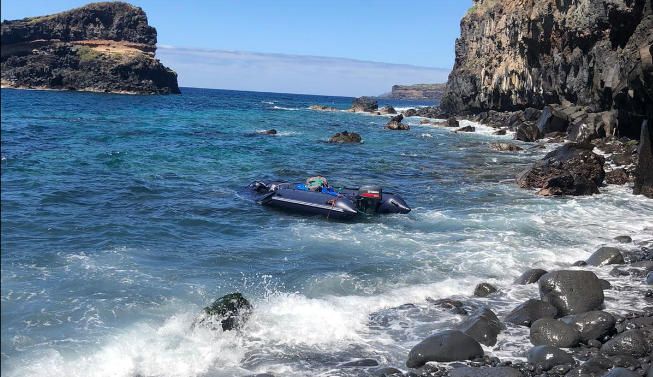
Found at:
<point>448,345</point>
<point>530,311</point>
<point>606,255</point>
<point>592,325</point>
<point>571,292</point>
<point>631,342</point>
<point>485,372</point>
<point>530,276</point>
<point>551,332</point>
<point>547,357</point>
<point>484,290</point>
<point>483,326</point>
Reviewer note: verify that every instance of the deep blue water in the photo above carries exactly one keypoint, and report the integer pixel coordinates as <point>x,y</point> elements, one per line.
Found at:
<point>122,216</point>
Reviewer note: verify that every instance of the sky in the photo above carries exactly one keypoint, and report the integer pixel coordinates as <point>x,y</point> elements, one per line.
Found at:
<point>336,47</point>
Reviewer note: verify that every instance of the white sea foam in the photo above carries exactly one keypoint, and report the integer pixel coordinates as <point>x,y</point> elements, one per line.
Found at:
<point>286,108</point>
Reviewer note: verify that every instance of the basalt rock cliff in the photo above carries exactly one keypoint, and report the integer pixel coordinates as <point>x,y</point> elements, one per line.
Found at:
<point>595,54</point>
<point>104,47</point>
<point>417,92</point>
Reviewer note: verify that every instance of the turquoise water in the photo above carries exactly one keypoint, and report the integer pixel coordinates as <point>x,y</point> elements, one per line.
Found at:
<point>122,216</point>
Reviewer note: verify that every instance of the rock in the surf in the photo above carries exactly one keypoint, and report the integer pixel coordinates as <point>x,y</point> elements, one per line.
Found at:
<point>530,276</point>
<point>632,342</point>
<point>452,122</point>
<point>360,363</point>
<point>527,132</point>
<point>229,312</point>
<point>483,326</point>
<point>551,332</point>
<point>530,311</point>
<point>572,169</point>
<point>267,132</point>
<point>595,366</point>
<point>466,371</point>
<point>466,129</point>
<point>322,108</point>
<point>623,239</point>
<point>606,255</point>
<point>617,177</point>
<point>571,292</point>
<point>591,325</point>
<point>346,137</point>
<point>448,345</point>
<point>484,289</point>
<point>387,110</point>
<point>546,357</point>
<point>365,104</point>
<point>395,123</point>
<point>505,147</point>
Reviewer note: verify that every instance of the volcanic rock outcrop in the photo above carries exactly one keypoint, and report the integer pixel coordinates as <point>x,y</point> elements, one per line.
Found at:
<point>101,47</point>
<point>595,54</point>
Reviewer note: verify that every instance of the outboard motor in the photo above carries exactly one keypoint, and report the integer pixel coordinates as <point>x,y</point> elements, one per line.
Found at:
<point>259,187</point>
<point>368,198</point>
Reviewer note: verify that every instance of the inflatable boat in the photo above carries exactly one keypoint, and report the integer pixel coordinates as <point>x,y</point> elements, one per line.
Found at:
<point>342,204</point>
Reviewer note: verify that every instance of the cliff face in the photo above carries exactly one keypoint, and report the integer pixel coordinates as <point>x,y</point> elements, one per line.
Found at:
<point>514,54</point>
<point>106,47</point>
<point>417,92</point>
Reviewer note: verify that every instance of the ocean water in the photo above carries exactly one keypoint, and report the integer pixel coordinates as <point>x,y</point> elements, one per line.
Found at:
<point>122,216</point>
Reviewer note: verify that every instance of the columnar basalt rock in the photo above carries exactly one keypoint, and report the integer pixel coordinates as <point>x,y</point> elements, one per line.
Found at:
<point>595,54</point>
<point>102,47</point>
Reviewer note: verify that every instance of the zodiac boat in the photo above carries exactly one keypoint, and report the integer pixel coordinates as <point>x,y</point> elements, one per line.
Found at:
<point>343,204</point>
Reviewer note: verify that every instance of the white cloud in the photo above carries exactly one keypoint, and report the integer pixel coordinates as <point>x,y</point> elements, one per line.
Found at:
<point>291,73</point>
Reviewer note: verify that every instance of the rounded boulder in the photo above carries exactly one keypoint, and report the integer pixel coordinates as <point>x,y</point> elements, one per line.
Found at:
<point>571,292</point>
<point>547,357</point>
<point>449,345</point>
<point>606,255</point>
<point>530,276</point>
<point>530,311</point>
<point>592,325</point>
<point>551,332</point>
<point>631,342</point>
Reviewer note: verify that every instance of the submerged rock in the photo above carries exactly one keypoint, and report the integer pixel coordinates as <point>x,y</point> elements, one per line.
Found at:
<point>505,147</point>
<point>606,255</point>
<point>365,104</point>
<point>571,292</point>
<point>448,345</point>
<point>484,289</point>
<point>230,311</point>
<point>623,239</point>
<point>483,326</point>
<point>360,363</point>
<point>530,276</point>
<point>572,169</point>
<point>546,357</point>
<point>551,332</point>
<point>453,306</point>
<point>322,108</point>
<point>530,311</point>
<point>591,325</point>
<point>346,137</point>
<point>267,132</point>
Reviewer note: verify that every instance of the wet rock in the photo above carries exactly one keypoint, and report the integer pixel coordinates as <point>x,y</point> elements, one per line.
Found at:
<point>644,171</point>
<point>483,326</point>
<point>605,284</point>
<point>547,357</point>
<point>360,363</point>
<point>579,263</point>
<point>484,290</point>
<point>387,372</point>
<point>452,122</point>
<point>395,123</point>
<point>409,113</point>
<point>346,137</point>
<point>365,104</point>
<point>260,375</point>
<point>528,132</point>
<point>617,177</point>
<point>606,255</point>
<point>530,276</point>
<point>649,278</point>
<point>530,311</point>
<point>466,129</point>
<point>229,311</point>
<point>621,372</point>
<point>592,325</point>
<point>454,306</point>
<point>505,147</point>
<point>267,132</point>
<point>322,108</point>
<point>571,292</point>
<point>572,168</point>
<point>631,342</point>
<point>594,367</point>
<point>387,110</point>
<point>551,332</point>
<point>623,239</point>
<point>449,345</point>
<point>552,120</point>
<point>502,131</point>
<point>485,372</point>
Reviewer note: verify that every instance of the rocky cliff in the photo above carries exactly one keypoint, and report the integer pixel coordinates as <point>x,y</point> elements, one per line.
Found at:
<point>515,54</point>
<point>106,47</point>
<point>417,92</point>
